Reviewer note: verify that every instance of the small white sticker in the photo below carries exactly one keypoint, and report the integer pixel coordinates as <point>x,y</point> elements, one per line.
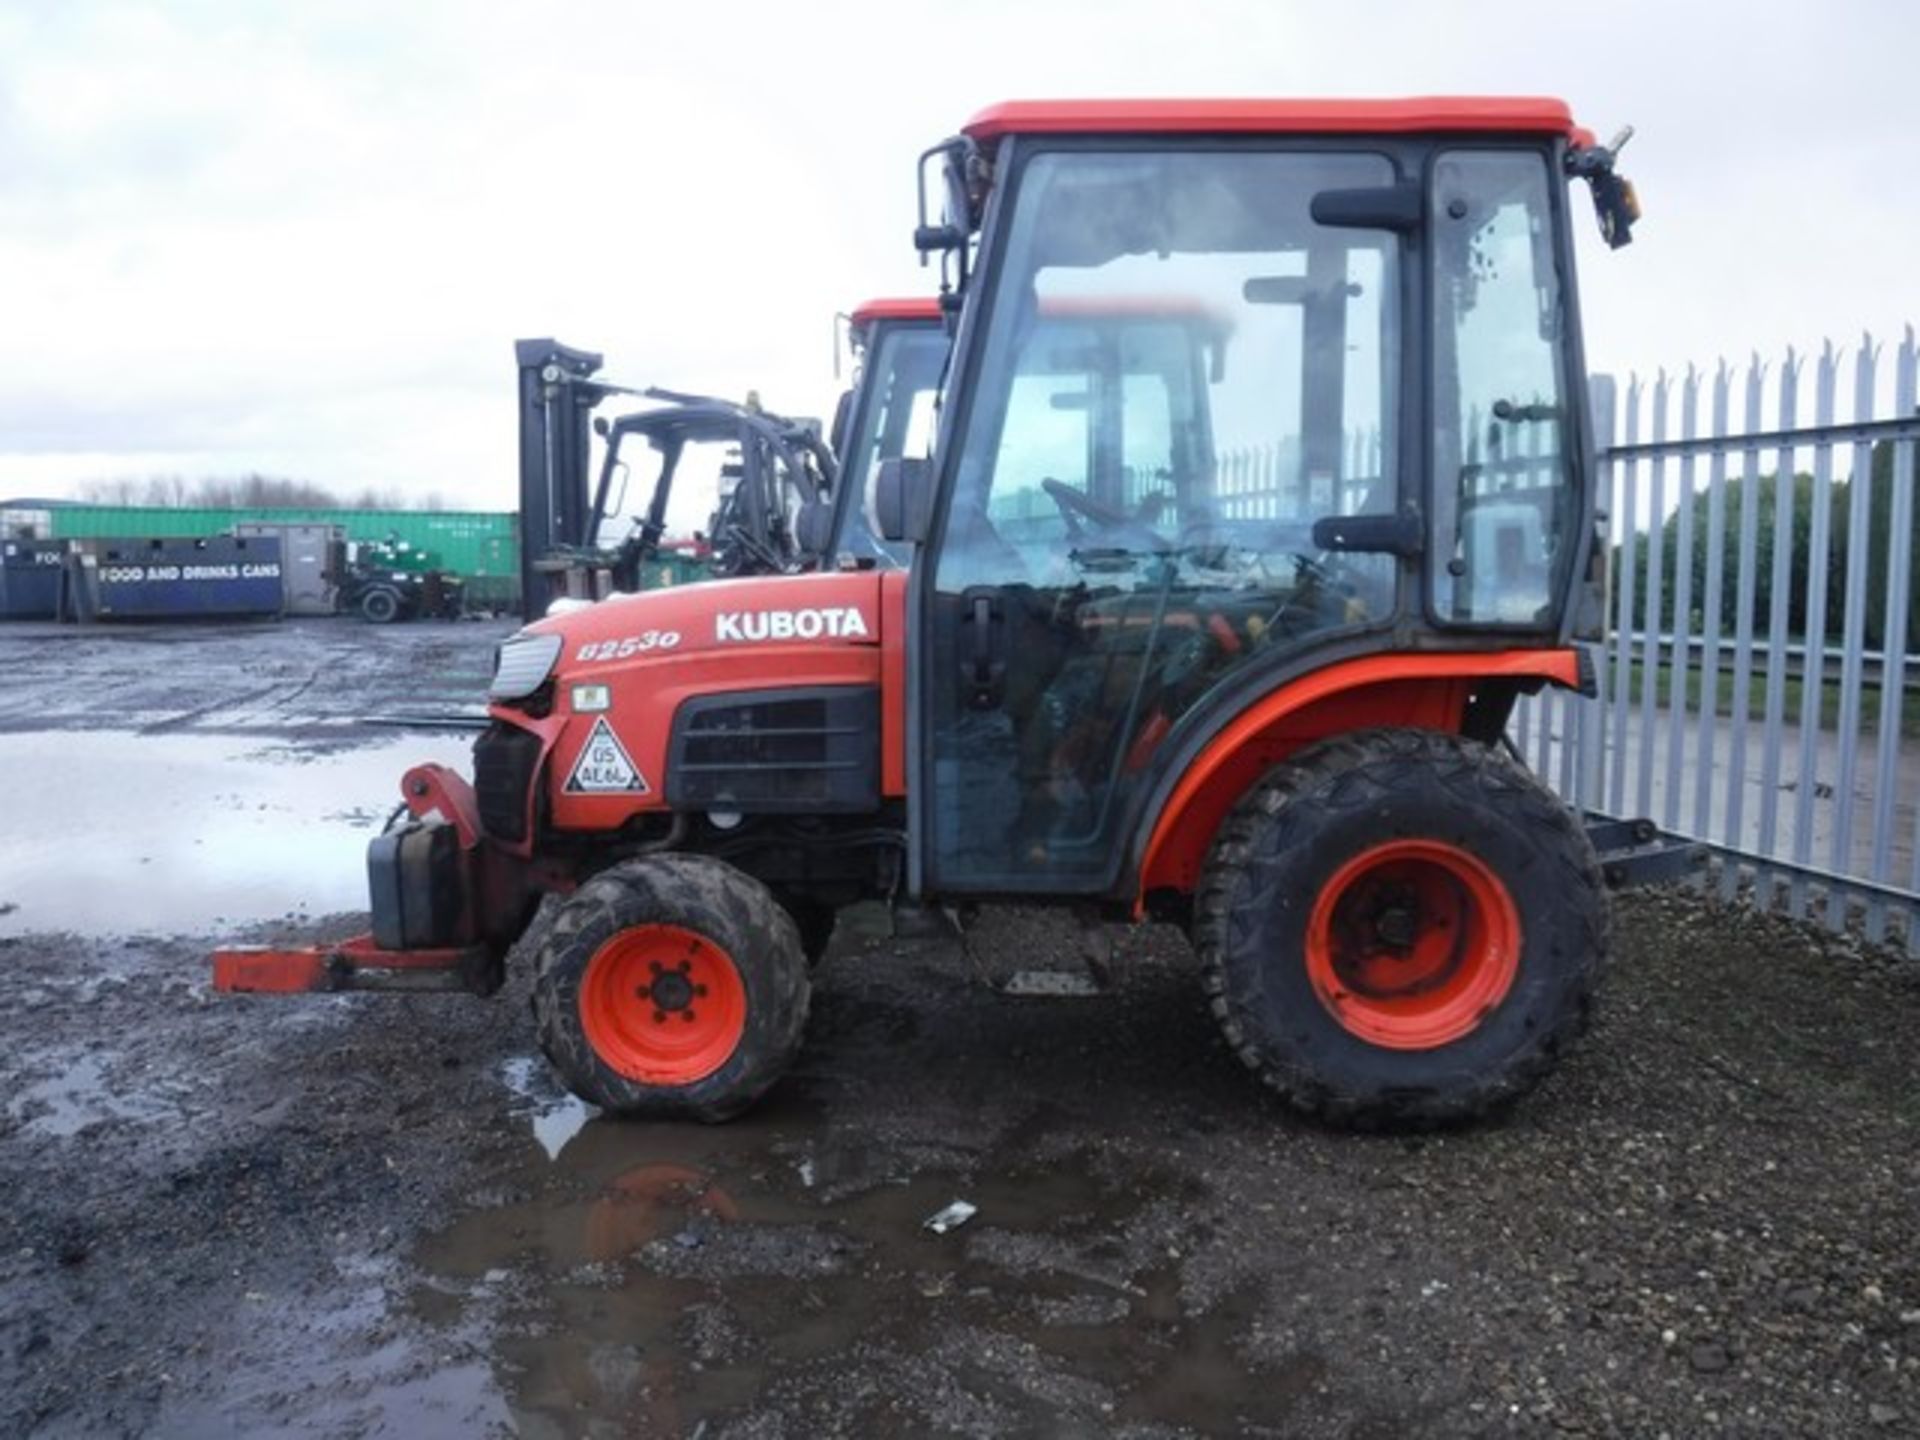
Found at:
<point>604,767</point>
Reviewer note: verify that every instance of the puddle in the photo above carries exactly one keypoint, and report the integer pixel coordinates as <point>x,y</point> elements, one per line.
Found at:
<point>660,1276</point>
<point>65,1104</point>
<point>554,1113</point>
<point>105,833</point>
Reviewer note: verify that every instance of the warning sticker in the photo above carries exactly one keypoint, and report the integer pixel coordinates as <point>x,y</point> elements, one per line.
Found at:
<point>604,767</point>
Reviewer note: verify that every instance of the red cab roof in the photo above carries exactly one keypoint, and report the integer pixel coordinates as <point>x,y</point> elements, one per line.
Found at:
<point>1526,113</point>
<point>911,307</point>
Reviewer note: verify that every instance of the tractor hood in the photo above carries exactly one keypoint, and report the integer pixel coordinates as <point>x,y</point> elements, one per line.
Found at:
<point>763,612</point>
<point>603,693</point>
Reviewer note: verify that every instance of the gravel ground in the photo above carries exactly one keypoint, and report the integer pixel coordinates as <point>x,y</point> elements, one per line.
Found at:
<point>376,1215</point>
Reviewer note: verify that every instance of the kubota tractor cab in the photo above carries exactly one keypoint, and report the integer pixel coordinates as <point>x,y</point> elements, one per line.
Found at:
<point>899,354</point>
<point>1223,633</point>
<point>900,349</point>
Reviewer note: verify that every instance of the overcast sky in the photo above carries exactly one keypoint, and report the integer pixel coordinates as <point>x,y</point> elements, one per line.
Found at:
<point>302,238</point>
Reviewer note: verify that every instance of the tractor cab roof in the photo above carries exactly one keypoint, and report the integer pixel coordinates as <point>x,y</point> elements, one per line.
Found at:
<point>910,307</point>
<point>1524,114</point>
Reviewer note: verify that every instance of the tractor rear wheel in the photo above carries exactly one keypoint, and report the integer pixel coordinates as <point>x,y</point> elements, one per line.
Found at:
<point>671,986</point>
<point>1401,928</point>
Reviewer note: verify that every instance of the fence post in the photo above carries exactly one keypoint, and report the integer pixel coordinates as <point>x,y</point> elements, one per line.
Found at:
<point>1680,665</point>
<point>1813,672</point>
<point>1588,718</point>
<point>1740,713</point>
<point>1893,642</point>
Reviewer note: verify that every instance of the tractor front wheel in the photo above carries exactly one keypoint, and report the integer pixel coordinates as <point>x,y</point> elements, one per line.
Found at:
<point>1401,927</point>
<point>671,986</point>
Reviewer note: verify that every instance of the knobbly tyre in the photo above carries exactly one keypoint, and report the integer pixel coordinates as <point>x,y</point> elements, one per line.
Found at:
<point>1221,627</point>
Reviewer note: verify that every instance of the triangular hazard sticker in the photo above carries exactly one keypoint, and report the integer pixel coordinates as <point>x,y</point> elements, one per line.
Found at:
<point>604,767</point>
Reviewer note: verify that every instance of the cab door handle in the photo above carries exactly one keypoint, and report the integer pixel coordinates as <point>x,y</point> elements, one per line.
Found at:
<point>983,666</point>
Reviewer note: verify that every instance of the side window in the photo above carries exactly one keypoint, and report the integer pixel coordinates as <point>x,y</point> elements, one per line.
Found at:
<point>1045,438</point>
<point>898,419</point>
<point>1146,444</point>
<point>1502,486</point>
<point>922,410</point>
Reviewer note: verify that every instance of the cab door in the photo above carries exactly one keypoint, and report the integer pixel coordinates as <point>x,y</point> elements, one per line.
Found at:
<point>1178,371</point>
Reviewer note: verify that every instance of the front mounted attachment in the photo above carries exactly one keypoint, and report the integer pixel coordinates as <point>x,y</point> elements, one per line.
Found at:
<point>446,902</point>
<point>356,964</point>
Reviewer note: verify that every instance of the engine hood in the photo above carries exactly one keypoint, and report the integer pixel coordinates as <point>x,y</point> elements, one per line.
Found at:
<point>810,611</point>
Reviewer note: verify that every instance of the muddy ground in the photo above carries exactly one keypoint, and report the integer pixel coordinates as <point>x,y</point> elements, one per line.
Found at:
<point>368,1215</point>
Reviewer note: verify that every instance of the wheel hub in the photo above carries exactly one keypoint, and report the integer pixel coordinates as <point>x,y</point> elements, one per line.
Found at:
<point>1397,925</point>
<point>663,1004</point>
<point>671,990</point>
<point>1412,944</point>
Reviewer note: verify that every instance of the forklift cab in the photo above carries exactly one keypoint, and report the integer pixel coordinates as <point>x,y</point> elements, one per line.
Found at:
<point>775,477</point>
<point>1382,455</point>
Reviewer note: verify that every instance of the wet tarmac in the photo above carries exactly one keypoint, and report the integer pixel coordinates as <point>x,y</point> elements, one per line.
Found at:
<point>369,1215</point>
<point>104,831</point>
<point>682,1272</point>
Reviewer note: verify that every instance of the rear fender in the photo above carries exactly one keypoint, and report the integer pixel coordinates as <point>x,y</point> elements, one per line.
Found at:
<point>1425,690</point>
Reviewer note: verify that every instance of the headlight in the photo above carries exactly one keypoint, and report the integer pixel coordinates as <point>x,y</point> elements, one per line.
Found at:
<point>522,665</point>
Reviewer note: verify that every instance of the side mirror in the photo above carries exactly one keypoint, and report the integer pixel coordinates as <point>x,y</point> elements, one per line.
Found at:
<point>1614,201</point>
<point>903,499</point>
<point>813,527</point>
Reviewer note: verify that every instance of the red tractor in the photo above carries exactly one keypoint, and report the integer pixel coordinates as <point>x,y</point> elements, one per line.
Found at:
<point>1262,490</point>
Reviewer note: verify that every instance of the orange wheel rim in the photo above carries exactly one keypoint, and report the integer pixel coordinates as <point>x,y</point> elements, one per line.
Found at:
<point>1412,944</point>
<point>663,1005</point>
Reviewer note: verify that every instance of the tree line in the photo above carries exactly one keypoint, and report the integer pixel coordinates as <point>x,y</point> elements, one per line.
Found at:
<point>252,491</point>
<point>1873,550</point>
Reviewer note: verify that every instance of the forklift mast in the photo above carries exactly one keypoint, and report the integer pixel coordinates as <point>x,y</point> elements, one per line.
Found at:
<point>557,399</point>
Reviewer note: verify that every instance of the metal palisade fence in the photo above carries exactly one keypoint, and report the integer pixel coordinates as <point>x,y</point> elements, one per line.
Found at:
<point>1757,691</point>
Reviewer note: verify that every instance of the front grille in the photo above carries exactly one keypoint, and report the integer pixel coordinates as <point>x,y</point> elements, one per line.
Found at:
<point>504,759</point>
<point>777,751</point>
